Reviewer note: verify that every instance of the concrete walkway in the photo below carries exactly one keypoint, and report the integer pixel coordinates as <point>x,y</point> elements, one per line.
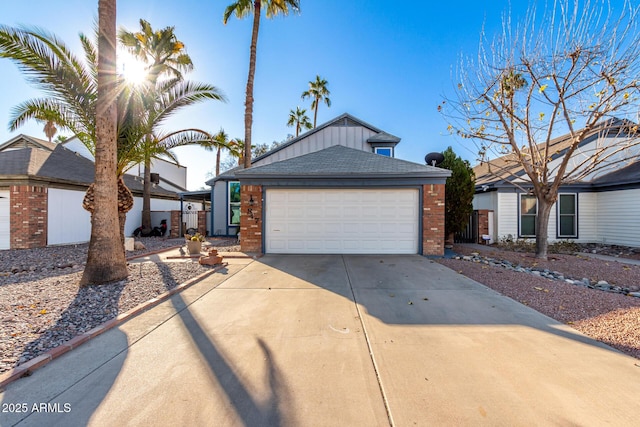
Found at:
<point>333,341</point>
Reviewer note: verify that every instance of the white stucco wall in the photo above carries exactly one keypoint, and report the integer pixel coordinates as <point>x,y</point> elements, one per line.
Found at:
<point>67,221</point>
<point>5,219</point>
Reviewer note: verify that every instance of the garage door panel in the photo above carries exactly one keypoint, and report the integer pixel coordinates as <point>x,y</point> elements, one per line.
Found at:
<point>341,220</point>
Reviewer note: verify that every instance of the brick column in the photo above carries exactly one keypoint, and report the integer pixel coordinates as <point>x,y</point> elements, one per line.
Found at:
<point>202,222</point>
<point>29,206</point>
<point>433,219</point>
<point>483,224</point>
<point>251,218</point>
<point>174,232</point>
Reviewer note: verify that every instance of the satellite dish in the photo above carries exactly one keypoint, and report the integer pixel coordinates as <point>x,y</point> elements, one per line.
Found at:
<point>434,159</point>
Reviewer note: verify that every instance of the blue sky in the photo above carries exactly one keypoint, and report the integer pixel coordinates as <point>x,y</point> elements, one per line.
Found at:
<point>387,65</point>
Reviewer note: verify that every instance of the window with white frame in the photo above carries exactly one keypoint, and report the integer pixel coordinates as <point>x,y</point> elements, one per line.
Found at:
<point>384,151</point>
<point>528,214</point>
<point>567,215</point>
<point>234,202</point>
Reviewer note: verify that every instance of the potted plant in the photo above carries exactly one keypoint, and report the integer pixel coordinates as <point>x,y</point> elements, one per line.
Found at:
<point>194,243</point>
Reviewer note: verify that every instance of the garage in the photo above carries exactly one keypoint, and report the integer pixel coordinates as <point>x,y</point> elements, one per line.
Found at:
<point>345,221</point>
<point>5,220</point>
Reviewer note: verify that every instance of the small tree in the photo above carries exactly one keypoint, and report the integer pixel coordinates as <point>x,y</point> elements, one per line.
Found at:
<point>460,188</point>
<point>572,71</point>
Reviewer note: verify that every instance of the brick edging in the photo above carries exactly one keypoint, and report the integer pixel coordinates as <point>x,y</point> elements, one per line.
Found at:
<point>31,365</point>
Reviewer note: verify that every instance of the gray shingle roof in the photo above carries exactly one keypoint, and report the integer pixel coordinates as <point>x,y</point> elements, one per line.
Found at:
<point>60,165</point>
<point>342,162</point>
<point>384,137</point>
<point>627,175</point>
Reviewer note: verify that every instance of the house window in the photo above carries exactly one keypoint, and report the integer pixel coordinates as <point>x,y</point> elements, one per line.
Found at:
<point>567,217</point>
<point>384,151</point>
<point>528,214</point>
<point>234,203</point>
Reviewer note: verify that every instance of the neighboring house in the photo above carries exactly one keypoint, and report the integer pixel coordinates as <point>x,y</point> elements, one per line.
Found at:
<point>334,189</point>
<point>597,207</point>
<point>168,175</point>
<point>42,186</point>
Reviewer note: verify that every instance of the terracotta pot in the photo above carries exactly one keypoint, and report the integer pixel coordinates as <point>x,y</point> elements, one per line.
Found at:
<point>194,247</point>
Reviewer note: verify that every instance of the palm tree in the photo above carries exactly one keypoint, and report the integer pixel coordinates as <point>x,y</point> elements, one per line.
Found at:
<point>318,92</point>
<point>299,119</point>
<point>241,9</point>
<point>163,54</point>
<point>160,50</point>
<point>49,64</point>
<point>105,258</point>
<point>50,130</point>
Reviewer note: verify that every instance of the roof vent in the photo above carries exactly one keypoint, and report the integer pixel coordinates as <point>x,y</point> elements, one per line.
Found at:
<point>155,178</point>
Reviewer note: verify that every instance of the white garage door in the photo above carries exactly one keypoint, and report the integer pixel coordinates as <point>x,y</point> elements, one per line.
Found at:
<point>5,224</point>
<point>338,221</point>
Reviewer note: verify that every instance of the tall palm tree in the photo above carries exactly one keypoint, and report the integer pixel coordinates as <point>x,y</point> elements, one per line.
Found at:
<point>160,50</point>
<point>241,9</point>
<point>163,54</point>
<point>299,119</point>
<point>50,130</point>
<point>318,92</point>
<point>105,258</point>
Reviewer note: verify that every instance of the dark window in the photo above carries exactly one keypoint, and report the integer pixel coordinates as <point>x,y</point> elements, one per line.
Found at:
<point>528,214</point>
<point>567,218</point>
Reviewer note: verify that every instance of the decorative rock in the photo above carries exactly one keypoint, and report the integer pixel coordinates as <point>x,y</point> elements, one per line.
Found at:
<point>138,246</point>
<point>602,285</point>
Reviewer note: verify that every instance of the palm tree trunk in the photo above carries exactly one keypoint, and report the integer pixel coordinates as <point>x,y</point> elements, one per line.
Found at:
<point>248,105</point>
<point>105,258</point>
<point>218,161</point>
<point>315,113</point>
<point>146,196</point>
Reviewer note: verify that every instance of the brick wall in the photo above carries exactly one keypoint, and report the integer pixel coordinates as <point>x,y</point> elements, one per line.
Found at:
<point>251,218</point>
<point>28,216</point>
<point>174,232</point>
<point>433,219</point>
<point>483,224</point>
<point>202,222</point>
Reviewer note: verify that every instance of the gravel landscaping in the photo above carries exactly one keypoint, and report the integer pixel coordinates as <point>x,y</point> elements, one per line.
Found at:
<point>41,305</point>
<point>604,313</point>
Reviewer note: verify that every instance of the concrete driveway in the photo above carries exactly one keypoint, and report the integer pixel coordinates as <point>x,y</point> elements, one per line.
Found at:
<point>333,341</point>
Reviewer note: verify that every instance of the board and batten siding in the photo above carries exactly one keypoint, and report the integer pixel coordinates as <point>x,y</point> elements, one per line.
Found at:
<point>618,217</point>
<point>220,208</point>
<point>348,136</point>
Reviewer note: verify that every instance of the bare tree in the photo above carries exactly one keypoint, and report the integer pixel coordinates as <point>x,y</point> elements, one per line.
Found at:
<point>572,70</point>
